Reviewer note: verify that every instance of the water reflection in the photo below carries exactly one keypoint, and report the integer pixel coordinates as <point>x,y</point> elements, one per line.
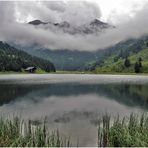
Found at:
<point>73,108</point>
<point>127,94</point>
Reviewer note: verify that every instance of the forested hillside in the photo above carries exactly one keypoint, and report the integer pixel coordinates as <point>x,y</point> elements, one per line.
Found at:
<point>12,59</point>
<point>65,59</point>
<point>129,56</point>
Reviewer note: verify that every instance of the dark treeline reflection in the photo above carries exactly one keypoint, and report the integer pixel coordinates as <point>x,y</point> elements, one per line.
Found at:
<point>128,94</point>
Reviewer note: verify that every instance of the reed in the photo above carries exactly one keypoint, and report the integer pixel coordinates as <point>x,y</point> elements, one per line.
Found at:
<point>17,133</point>
<point>125,132</point>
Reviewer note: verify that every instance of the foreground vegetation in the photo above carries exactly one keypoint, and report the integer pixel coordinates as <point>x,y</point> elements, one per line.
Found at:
<point>124,132</point>
<point>16,133</point>
<point>121,132</point>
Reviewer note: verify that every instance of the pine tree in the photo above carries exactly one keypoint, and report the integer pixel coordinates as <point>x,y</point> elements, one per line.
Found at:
<point>127,62</point>
<point>140,62</point>
<point>137,67</point>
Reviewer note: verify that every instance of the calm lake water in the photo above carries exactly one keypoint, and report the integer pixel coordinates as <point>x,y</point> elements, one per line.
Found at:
<point>73,103</point>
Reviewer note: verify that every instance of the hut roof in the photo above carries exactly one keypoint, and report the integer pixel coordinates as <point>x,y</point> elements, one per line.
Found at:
<point>29,68</point>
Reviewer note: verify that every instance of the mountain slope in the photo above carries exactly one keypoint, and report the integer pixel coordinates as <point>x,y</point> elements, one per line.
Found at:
<point>131,50</point>
<point>12,59</point>
<point>67,59</point>
<point>107,60</point>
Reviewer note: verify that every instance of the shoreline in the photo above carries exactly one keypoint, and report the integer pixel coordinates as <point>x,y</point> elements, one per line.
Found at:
<point>73,72</point>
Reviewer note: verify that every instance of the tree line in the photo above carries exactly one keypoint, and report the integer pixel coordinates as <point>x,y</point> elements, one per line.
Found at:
<point>137,64</point>
<point>12,59</point>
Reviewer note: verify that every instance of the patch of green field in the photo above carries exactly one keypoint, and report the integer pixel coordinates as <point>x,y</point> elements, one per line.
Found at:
<point>110,65</point>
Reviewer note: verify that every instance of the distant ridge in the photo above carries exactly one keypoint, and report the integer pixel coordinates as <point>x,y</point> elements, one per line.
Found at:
<point>93,27</point>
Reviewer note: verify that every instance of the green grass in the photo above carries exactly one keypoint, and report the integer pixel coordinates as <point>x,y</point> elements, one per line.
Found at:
<point>11,135</point>
<point>132,132</point>
<point>126,132</point>
<point>74,72</point>
<point>111,66</point>
<point>38,71</point>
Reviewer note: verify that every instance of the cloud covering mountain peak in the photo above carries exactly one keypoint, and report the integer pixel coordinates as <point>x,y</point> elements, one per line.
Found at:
<point>94,27</point>
<point>65,14</point>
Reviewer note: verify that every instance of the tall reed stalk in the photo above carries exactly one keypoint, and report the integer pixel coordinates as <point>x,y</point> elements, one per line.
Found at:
<point>17,133</point>
<point>125,132</point>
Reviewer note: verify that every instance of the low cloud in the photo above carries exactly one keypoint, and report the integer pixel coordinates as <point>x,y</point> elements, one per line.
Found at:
<point>73,12</point>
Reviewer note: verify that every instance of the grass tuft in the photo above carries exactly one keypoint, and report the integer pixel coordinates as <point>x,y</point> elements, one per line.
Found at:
<point>17,133</point>
<point>132,132</point>
<point>125,132</point>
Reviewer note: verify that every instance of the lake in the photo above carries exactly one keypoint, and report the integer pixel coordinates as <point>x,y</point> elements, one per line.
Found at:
<point>73,103</point>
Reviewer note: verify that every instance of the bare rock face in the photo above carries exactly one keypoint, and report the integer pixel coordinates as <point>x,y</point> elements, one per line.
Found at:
<point>94,27</point>
<point>36,22</point>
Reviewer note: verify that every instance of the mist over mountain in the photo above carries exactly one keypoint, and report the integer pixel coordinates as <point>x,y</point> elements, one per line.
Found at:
<point>94,27</point>
<point>69,25</point>
<point>72,31</point>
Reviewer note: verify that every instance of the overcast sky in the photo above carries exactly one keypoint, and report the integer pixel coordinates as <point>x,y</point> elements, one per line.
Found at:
<point>113,11</point>
<point>129,17</point>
